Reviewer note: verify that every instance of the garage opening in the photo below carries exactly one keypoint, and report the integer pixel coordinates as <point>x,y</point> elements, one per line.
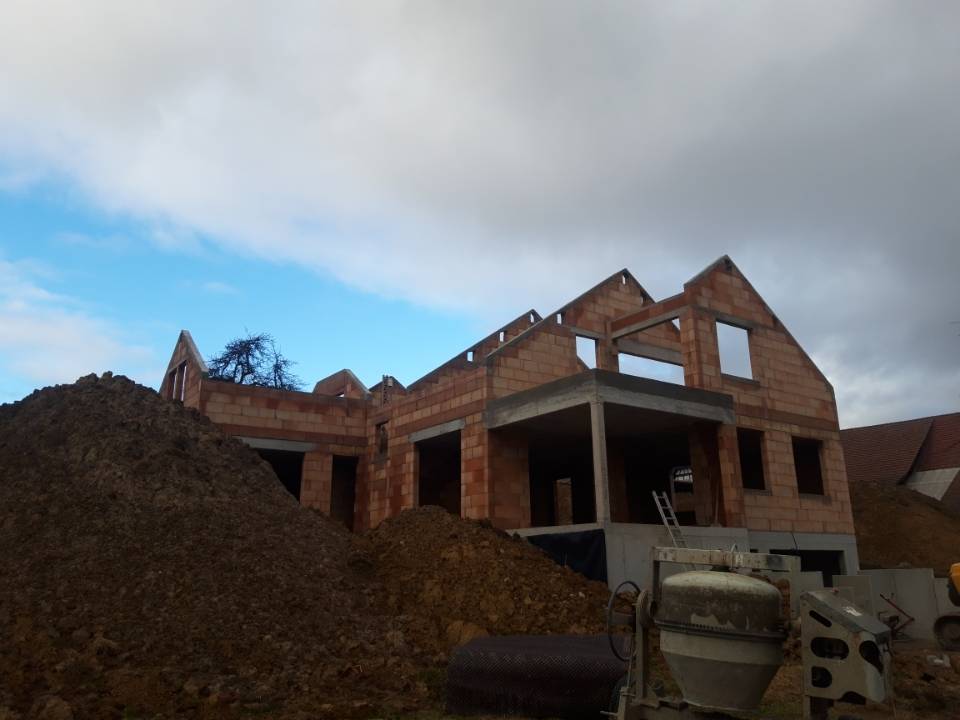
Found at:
<point>343,489</point>
<point>561,482</point>
<point>288,467</point>
<point>439,471</point>
<point>827,562</point>
<point>659,461</point>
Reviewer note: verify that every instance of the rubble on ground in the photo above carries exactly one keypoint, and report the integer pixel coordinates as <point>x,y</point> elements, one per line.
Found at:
<point>450,577</point>
<point>159,567</point>
<point>898,527</point>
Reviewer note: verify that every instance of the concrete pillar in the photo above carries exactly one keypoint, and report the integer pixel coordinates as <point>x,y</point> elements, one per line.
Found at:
<point>601,486</point>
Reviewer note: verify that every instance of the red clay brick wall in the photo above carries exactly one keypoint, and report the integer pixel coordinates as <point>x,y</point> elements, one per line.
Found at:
<point>609,301</point>
<point>282,414</point>
<point>508,474</point>
<point>454,391</point>
<point>183,358</point>
<point>336,425</point>
<point>475,497</point>
<point>548,353</point>
<point>788,397</point>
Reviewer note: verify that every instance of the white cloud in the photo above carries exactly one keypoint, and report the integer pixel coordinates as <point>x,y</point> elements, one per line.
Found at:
<point>48,338</point>
<point>491,156</point>
<point>219,288</point>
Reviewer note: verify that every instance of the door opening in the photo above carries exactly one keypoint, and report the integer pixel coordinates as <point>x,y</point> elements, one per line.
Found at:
<point>343,489</point>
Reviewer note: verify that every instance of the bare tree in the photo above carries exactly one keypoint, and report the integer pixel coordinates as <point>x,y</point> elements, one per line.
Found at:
<point>254,360</point>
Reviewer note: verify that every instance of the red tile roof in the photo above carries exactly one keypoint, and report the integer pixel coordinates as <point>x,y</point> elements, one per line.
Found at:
<point>885,453</point>
<point>942,447</point>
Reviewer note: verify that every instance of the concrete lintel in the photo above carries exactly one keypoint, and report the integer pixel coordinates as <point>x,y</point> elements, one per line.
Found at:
<point>583,332</point>
<point>739,322</point>
<point>649,350</point>
<point>703,411</point>
<point>274,444</point>
<point>437,430</point>
<point>500,416</point>
<point>648,323</point>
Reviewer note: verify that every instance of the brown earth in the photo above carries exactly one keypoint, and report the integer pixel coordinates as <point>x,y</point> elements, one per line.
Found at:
<point>152,565</point>
<point>158,568</point>
<point>897,526</point>
<point>923,691</point>
<point>476,580</point>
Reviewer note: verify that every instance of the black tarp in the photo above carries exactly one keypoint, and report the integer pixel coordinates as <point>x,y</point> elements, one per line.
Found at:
<point>584,551</point>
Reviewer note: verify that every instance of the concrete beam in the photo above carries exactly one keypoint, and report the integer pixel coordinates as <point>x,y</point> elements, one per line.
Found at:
<point>649,350</point>
<point>275,444</point>
<point>437,430</point>
<point>583,332</point>
<point>606,386</point>
<point>739,322</point>
<point>702,411</point>
<point>601,480</point>
<point>498,416</point>
<point>647,324</point>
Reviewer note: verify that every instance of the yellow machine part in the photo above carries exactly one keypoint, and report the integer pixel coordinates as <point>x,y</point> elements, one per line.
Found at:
<point>955,579</point>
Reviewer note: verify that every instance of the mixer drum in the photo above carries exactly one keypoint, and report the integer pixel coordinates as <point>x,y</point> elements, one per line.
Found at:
<point>721,636</point>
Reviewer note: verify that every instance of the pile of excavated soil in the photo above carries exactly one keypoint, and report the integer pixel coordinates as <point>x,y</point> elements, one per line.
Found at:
<point>922,690</point>
<point>897,527</point>
<point>150,565</point>
<point>453,579</point>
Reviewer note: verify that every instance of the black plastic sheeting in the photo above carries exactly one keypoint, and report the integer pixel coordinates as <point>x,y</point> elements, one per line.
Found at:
<point>584,551</point>
<point>535,676</point>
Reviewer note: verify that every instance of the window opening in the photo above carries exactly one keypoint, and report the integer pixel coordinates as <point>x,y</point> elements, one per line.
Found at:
<point>383,440</point>
<point>653,369</point>
<point>806,462</point>
<point>750,443</point>
<point>734,343</point>
<point>587,351</point>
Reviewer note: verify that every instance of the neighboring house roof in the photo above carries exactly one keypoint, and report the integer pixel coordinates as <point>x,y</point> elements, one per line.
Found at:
<point>883,454</point>
<point>942,448</point>
<point>923,454</point>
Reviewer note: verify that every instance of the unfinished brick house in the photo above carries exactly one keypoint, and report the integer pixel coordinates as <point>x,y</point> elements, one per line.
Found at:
<point>540,428</point>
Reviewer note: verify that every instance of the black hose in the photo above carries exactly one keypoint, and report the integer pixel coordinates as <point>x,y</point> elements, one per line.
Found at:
<point>613,597</point>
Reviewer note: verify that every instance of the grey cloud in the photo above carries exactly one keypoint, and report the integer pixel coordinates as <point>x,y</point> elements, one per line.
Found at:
<point>496,156</point>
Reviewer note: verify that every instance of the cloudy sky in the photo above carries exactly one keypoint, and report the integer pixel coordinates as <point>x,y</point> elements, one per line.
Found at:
<point>380,183</point>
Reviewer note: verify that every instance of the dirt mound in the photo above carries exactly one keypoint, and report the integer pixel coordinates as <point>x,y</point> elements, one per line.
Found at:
<point>896,526</point>
<point>926,687</point>
<point>453,579</point>
<point>152,565</point>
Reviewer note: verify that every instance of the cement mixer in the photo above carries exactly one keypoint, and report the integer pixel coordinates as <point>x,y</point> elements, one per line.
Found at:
<point>721,635</point>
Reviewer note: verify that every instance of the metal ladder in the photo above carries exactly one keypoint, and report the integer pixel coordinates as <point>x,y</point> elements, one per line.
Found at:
<point>669,519</point>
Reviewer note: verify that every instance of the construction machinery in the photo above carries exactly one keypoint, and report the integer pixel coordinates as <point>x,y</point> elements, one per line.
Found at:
<point>947,627</point>
<point>721,635</point>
